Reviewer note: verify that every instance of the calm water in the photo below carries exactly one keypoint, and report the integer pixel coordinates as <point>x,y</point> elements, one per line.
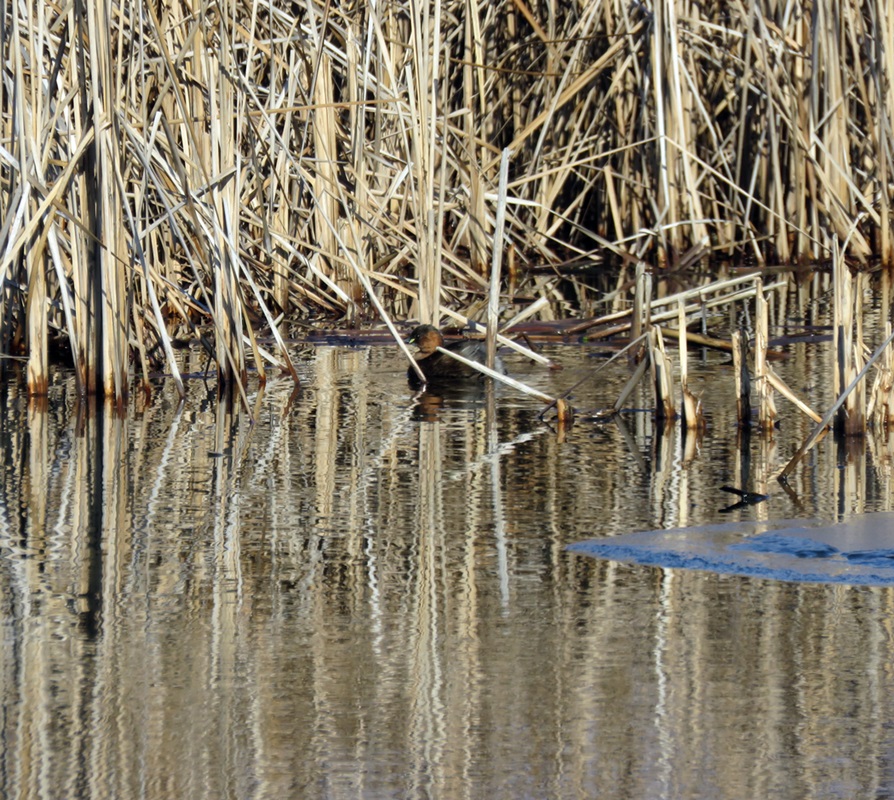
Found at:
<point>367,594</point>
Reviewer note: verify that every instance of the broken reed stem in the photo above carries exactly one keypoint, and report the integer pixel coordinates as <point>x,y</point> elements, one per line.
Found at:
<point>671,300</point>
<point>664,316</point>
<point>743,381</point>
<point>780,386</point>
<point>692,407</point>
<point>493,295</point>
<point>636,322</point>
<point>529,311</point>
<point>631,384</point>
<point>563,408</point>
<point>374,299</point>
<point>856,403</point>
<point>628,387</point>
<point>766,404</point>
<point>503,340</point>
<point>662,378</point>
<point>887,396</point>
<point>881,402</point>
<point>847,345</point>
<point>830,414</point>
<point>642,296</point>
<point>841,330</point>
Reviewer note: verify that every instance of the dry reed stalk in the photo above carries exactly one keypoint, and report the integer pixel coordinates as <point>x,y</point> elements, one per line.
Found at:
<point>563,408</point>
<point>325,179</point>
<point>711,342</point>
<point>881,68</point>
<point>856,403</point>
<point>766,413</point>
<point>642,304</point>
<point>698,294</point>
<point>160,327</point>
<point>693,417</point>
<point>684,123</point>
<point>422,96</point>
<point>631,384</point>
<point>780,386</point>
<point>886,398</point>
<point>280,212</point>
<point>846,346</point>
<point>662,378</point>
<point>493,294</point>
<point>67,307</point>
<point>528,311</point>
<point>260,144</point>
<point>880,409</point>
<point>667,197</point>
<point>474,88</point>
<point>30,121</point>
<point>38,362</point>
<point>110,284</point>
<point>727,300</point>
<point>742,381</point>
<point>214,58</point>
<point>836,407</point>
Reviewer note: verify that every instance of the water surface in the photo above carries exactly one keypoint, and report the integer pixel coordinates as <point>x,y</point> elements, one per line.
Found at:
<point>366,593</point>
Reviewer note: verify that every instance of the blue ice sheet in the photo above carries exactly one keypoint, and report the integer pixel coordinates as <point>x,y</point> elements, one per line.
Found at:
<point>859,551</point>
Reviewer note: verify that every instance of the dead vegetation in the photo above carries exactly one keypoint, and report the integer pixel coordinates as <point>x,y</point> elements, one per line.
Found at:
<point>210,171</point>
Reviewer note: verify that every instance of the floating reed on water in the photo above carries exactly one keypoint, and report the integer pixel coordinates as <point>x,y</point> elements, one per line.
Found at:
<point>174,170</point>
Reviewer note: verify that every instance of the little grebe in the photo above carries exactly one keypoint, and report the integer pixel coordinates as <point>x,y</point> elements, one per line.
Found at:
<point>438,367</point>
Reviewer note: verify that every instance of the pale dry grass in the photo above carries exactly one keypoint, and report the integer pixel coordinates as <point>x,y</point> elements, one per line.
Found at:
<point>170,170</point>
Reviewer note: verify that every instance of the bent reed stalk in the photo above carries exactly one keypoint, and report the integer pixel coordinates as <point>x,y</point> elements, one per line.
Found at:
<point>173,171</point>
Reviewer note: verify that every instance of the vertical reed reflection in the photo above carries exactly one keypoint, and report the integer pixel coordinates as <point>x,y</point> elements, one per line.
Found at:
<point>361,595</point>
<point>425,726</point>
<point>496,482</point>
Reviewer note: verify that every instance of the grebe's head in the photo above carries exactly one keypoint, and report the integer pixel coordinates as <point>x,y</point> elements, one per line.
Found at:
<point>427,338</point>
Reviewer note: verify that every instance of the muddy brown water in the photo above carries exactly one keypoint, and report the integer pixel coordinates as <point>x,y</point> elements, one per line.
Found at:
<point>366,593</point>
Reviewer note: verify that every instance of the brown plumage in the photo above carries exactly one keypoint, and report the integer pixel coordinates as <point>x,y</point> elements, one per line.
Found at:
<point>438,367</point>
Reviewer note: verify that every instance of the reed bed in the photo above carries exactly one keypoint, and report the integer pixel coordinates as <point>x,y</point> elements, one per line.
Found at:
<point>220,170</point>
